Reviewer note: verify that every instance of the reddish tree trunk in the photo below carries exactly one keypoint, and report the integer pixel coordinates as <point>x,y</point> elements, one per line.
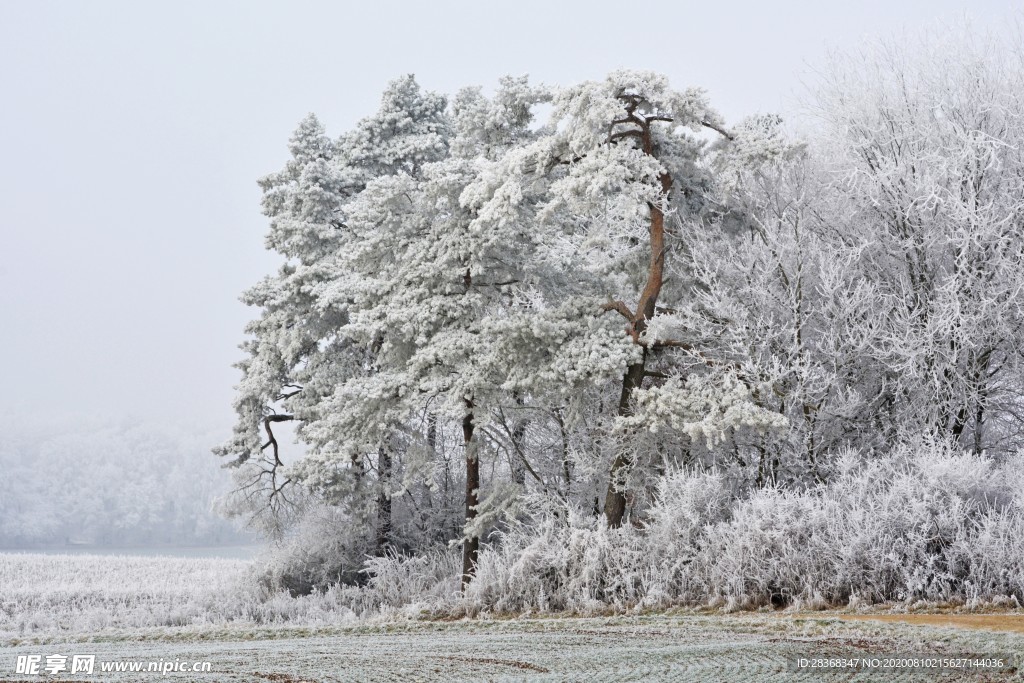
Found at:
<point>615,500</point>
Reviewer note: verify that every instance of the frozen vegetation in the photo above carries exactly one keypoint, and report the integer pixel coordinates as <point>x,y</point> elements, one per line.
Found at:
<point>586,382</point>
<point>55,593</point>
<point>631,355</point>
<point>888,531</point>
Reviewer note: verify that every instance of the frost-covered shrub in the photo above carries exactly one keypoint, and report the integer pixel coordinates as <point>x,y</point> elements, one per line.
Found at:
<point>559,559</point>
<point>925,523</point>
<point>326,548</point>
<point>430,579</point>
<point>686,504</point>
<point>763,551</point>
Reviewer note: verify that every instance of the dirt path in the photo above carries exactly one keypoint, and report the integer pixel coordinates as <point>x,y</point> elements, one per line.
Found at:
<point>1008,623</point>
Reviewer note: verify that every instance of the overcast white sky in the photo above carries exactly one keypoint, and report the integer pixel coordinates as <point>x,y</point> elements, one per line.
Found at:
<point>132,135</point>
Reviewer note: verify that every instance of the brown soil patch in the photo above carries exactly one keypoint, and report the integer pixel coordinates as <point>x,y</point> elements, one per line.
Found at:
<point>281,678</point>
<point>526,666</point>
<point>1013,623</point>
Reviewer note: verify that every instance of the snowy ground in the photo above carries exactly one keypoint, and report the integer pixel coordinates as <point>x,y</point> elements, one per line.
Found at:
<point>638,648</point>
<point>171,610</point>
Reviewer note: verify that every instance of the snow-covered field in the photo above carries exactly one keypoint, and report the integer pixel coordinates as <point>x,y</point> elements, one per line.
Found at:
<point>53,593</point>
<point>42,595</point>
<point>634,648</point>
<point>135,609</point>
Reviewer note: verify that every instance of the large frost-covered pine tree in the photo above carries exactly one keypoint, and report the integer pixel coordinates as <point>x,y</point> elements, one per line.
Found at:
<point>616,190</point>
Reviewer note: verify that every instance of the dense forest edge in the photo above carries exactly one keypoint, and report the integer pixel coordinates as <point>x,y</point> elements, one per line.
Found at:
<point>628,353</point>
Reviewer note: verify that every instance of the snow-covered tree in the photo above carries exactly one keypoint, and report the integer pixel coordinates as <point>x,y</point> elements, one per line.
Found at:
<point>302,202</point>
<point>614,188</point>
<point>428,277</point>
<point>577,306</point>
<point>872,279</point>
<point>297,357</point>
<point>486,321</point>
<point>926,158</point>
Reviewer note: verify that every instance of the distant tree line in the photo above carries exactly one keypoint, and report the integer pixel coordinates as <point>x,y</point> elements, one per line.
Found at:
<point>109,484</point>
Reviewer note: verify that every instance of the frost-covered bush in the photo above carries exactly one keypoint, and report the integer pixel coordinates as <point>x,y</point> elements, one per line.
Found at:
<point>430,579</point>
<point>559,559</point>
<point>327,547</point>
<point>687,504</point>
<point>925,523</point>
<point>764,552</point>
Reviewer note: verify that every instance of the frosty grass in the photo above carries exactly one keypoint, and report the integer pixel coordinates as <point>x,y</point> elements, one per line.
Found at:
<point>135,608</point>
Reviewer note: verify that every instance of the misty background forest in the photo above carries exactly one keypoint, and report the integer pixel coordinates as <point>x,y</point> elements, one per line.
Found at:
<point>109,483</point>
